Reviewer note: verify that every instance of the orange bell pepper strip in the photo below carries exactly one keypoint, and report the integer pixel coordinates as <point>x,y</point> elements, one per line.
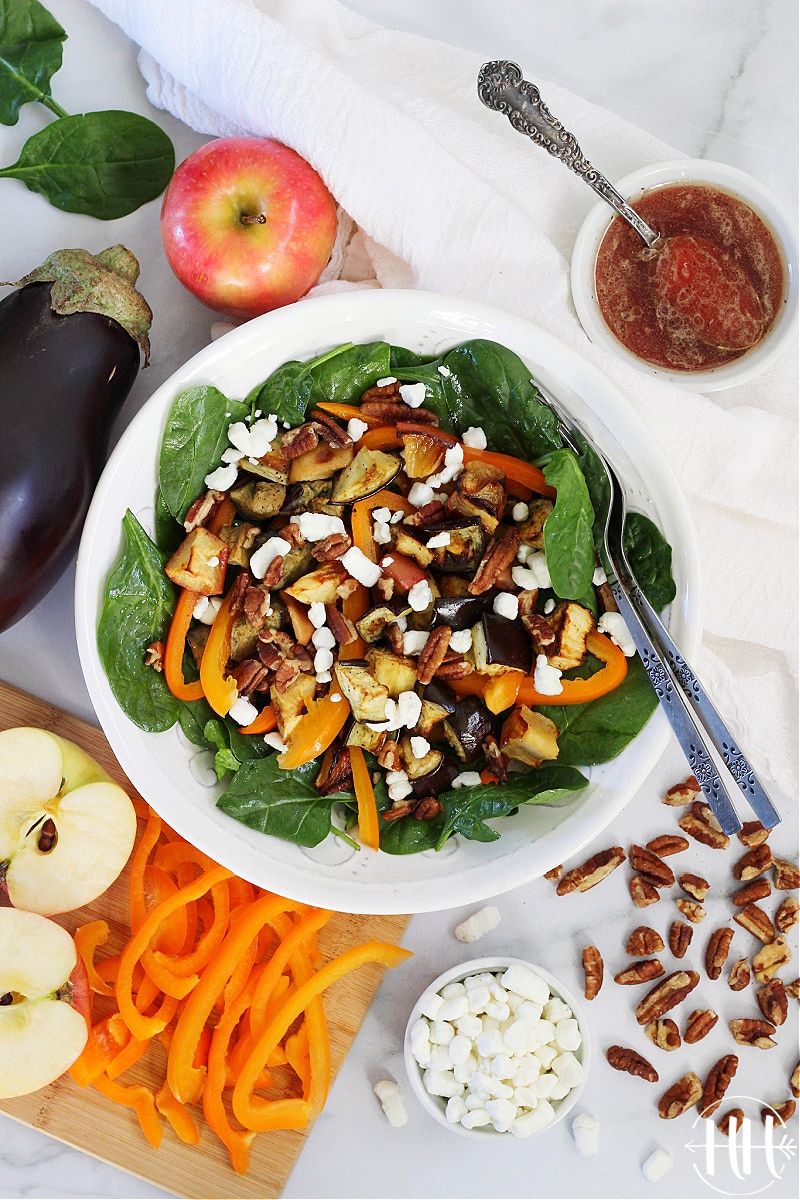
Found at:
<point>106,1039</point>
<point>188,964</point>
<point>365,797</point>
<point>139,1025</point>
<point>178,1115</point>
<point>127,1056</point>
<point>353,607</point>
<point>292,939</point>
<point>265,722</point>
<point>382,437</point>
<point>515,469</point>
<point>175,647</point>
<point>345,412</point>
<point>170,856</point>
<point>136,885</point>
<point>581,691</point>
<point>87,938</point>
<point>223,515</point>
<point>140,1099</point>
<point>236,1142</point>
<point>312,736</point>
<point>298,1057</point>
<point>219,689</point>
<point>172,934</point>
<point>361,518</point>
<point>256,1113</point>
<point>146,993</point>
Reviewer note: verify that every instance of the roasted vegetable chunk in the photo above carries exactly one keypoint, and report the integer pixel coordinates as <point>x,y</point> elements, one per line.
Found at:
<point>366,697</point>
<point>199,563</point>
<point>572,624</point>
<point>529,737</point>
<point>369,471</point>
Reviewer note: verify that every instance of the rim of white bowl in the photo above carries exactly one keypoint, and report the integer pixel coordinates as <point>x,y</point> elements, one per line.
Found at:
<point>744,187</point>
<point>435,1105</point>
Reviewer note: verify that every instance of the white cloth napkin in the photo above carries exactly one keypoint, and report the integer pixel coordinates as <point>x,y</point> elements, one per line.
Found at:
<point>439,193</point>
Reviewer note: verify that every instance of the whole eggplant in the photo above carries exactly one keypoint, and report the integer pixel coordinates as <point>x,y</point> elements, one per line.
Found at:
<point>71,341</point>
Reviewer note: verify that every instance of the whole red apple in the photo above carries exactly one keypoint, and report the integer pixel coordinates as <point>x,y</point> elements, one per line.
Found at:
<point>247,225</point>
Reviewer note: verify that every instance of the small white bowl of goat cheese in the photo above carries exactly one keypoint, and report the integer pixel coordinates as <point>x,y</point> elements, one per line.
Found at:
<point>497,1047</point>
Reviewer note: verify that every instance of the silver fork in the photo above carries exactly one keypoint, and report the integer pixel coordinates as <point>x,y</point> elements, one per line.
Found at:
<point>687,705</point>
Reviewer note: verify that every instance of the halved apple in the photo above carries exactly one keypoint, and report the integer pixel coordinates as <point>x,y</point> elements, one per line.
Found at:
<point>66,829</point>
<point>44,1002</point>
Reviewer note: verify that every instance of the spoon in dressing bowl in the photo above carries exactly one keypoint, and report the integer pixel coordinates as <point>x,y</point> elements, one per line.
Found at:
<point>700,288</point>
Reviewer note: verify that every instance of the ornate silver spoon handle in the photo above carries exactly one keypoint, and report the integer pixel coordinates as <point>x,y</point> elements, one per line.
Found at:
<point>502,88</point>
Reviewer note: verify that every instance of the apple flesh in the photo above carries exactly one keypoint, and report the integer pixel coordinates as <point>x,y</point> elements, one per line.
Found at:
<point>247,225</point>
<point>66,829</point>
<point>44,1002</point>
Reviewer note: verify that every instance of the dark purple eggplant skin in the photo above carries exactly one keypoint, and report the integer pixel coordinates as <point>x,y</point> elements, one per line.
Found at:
<point>507,642</point>
<point>469,725</point>
<point>460,612</point>
<point>63,380</point>
<point>440,779</point>
<point>439,692</point>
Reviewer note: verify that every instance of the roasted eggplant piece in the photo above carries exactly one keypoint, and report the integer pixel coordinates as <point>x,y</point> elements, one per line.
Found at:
<point>440,779</point>
<point>440,693</point>
<point>356,733</point>
<point>369,472</point>
<point>199,563</point>
<point>395,671</point>
<point>405,543</point>
<point>431,715</point>
<point>531,530</point>
<point>499,644</point>
<point>290,706</point>
<point>240,540</point>
<point>467,727</point>
<point>372,625</point>
<point>321,584</point>
<point>272,466</point>
<point>366,697</point>
<point>295,562</point>
<point>320,463</point>
<point>310,496</point>
<point>258,499</point>
<point>572,624</point>
<point>459,612</point>
<point>465,546</point>
<point>415,767</point>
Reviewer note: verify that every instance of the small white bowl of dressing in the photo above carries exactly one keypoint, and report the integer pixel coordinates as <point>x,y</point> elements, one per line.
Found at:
<point>744,218</point>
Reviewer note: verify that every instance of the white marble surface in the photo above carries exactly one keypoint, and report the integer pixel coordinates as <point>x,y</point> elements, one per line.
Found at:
<point>716,79</point>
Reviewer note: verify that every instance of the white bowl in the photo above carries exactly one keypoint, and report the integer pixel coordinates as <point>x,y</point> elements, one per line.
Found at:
<point>178,779</point>
<point>729,179</point>
<point>435,1106</point>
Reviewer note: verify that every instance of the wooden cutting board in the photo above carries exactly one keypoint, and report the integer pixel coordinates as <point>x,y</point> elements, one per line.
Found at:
<point>87,1120</point>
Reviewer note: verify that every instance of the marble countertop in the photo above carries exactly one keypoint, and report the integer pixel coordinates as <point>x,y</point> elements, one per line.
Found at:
<point>716,79</point>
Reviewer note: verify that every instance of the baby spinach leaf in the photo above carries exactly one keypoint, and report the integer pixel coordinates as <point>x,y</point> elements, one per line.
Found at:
<point>30,54</point>
<point>408,836</point>
<point>340,375</point>
<point>467,809</point>
<point>137,610</point>
<point>650,557</point>
<point>194,439</point>
<point>169,532</point>
<point>282,803</point>
<point>105,164</point>
<point>568,538</point>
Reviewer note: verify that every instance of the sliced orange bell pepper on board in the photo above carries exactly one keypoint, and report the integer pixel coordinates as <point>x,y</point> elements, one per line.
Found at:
<point>87,938</point>
<point>140,1099</point>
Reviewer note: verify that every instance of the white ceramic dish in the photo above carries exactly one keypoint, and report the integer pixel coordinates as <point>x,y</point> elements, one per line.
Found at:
<point>177,778</point>
<point>435,1106</point>
<point>729,179</point>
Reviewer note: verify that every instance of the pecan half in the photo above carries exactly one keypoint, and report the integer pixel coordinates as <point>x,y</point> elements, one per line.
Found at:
<point>755,921</point>
<point>757,889</point>
<point>496,761</point>
<point>591,872</point>
<point>623,1059</point>
<point>391,412</point>
<point>499,554</point>
<point>642,891</point>
<point>682,793</point>
<point>427,808</point>
<point>455,667</point>
<point>680,935</point>
<point>389,756</point>
<point>747,1031</point>
<point>786,875</point>
<point>202,509</point>
<point>299,441</point>
<point>773,1001</point>
<point>700,1023</point>
<point>593,971</point>
<point>668,843</point>
<point>682,1096</point>
<point>752,833</point>
<point>770,959</point>
<point>784,1112</point>
<point>555,872</point>
<point>154,656</point>
<point>640,972</point>
<point>753,863</point>
<point>732,1119</point>
<point>432,654</point>
<point>383,391</point>
<point>644,941</point>
<point>400,808</point>
<point>702,831</point>
<point>665,995</point>
<point>787,914</point>
<point>793,989</point>
<point>334,546</point>
<point>274,573</point>
<point>739,976</point>
<point>719,945</point>
<point>695,885</point>
<point>249,674</point>
<point>340,626</point>
<point>649,865</point>
<point>717,1083</point>
<point>794,1082</point>
<point>693,911</point>
<point>330,431</point>
<point>664,1033</point>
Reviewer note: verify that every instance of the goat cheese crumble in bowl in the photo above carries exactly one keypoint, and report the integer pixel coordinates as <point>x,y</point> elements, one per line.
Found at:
<point>497,1047</point>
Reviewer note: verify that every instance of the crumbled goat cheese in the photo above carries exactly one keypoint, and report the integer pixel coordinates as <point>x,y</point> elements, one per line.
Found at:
<point>264,555</point>
<point>414,641</point>
<point>475,926</point>
<point>323,661</point>
<point>275,740</point>
<point>452,466</point>
<point>391,1098</point>
<point>420,595</point>
<point>335,697</point>
<point>356,428</point>
<point>323,639</point>
<point>420,494</point>
<point>413,394</point>
<point>316,614</point>
<point>387,379</point>
<point>381,533</point>
<point>506,604</point>
<point>438,539</point>
<point>402,713</point>
<point>206,609</point>
<point>549,606</point>
<point>420,746</point>
<point>546,679</point>
<point>255,441</point>
<point>242,711</point>
<point>613,624</point>
<point>599,576</point>
<point>656,1165</point>
<point>397,785</point>
<point>520,511</point>
<point>356,563</point>
<point>315,527</point>
<point>445,371</point>
<point>586,1132</point>
<point>475,437</point>
<point>535,567</point>
<point>222,479</point>
<point>466,779</point>
<point>461,641</point>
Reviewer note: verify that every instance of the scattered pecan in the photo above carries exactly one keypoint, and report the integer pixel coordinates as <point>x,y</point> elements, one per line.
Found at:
<point>202,510</point>
<point>695,885</point>
<point>432,653</point>
<point>256,605</point>
<point>757,889</point>
<point>640,972</point>
<point>787,914</point>
<point>389,756</point>
<point>784,1112</point>
<point>591,872</point>
<point>773,1001</point>
<point>793,989</point>
<point>336,774</point>
<point>400,808</point>
<point>753,863</point>
<point>682,793</point>
<point>665,995</point>
<point>383,391</point>
<point>330,430</point>
<point>693,911</point>
<point>274,572</point>
<point>752,833</point>
<point>755,921</point>
<point>680,935</point>
<point>682,1096</point>
<point>455,667</point>
<point>703,831</point>
<point>731,1119</point>
<point>249,674</point>
<point>747,1031</point>
<point>699,1024</point>
<point>668,843</point>
<point>739,976</point>
<point>623,1059</point>
<point>794,1082</point>
<point>644,941</point>
<point>384,590</point>
<point>651,867</point>
<point>770,959</point>
<point>238,591</point>
<point>390,412</point>
<point>334,546</point>
<point>394,636</point>
<point>643,892</point>
<point>664,1033</point>
<point>429,514</point>
<point>719,945</point>
<point>717,1083</point>
<point>555,872</point>
<point>499,554</point>
<point>541,631</point>
<point>340,626</point>
<point>154,656</point>
<point>786,875</point>
<point>427,808</point>
<point>496,761</point>
<point>593,971</point>
<point>299,441</point>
